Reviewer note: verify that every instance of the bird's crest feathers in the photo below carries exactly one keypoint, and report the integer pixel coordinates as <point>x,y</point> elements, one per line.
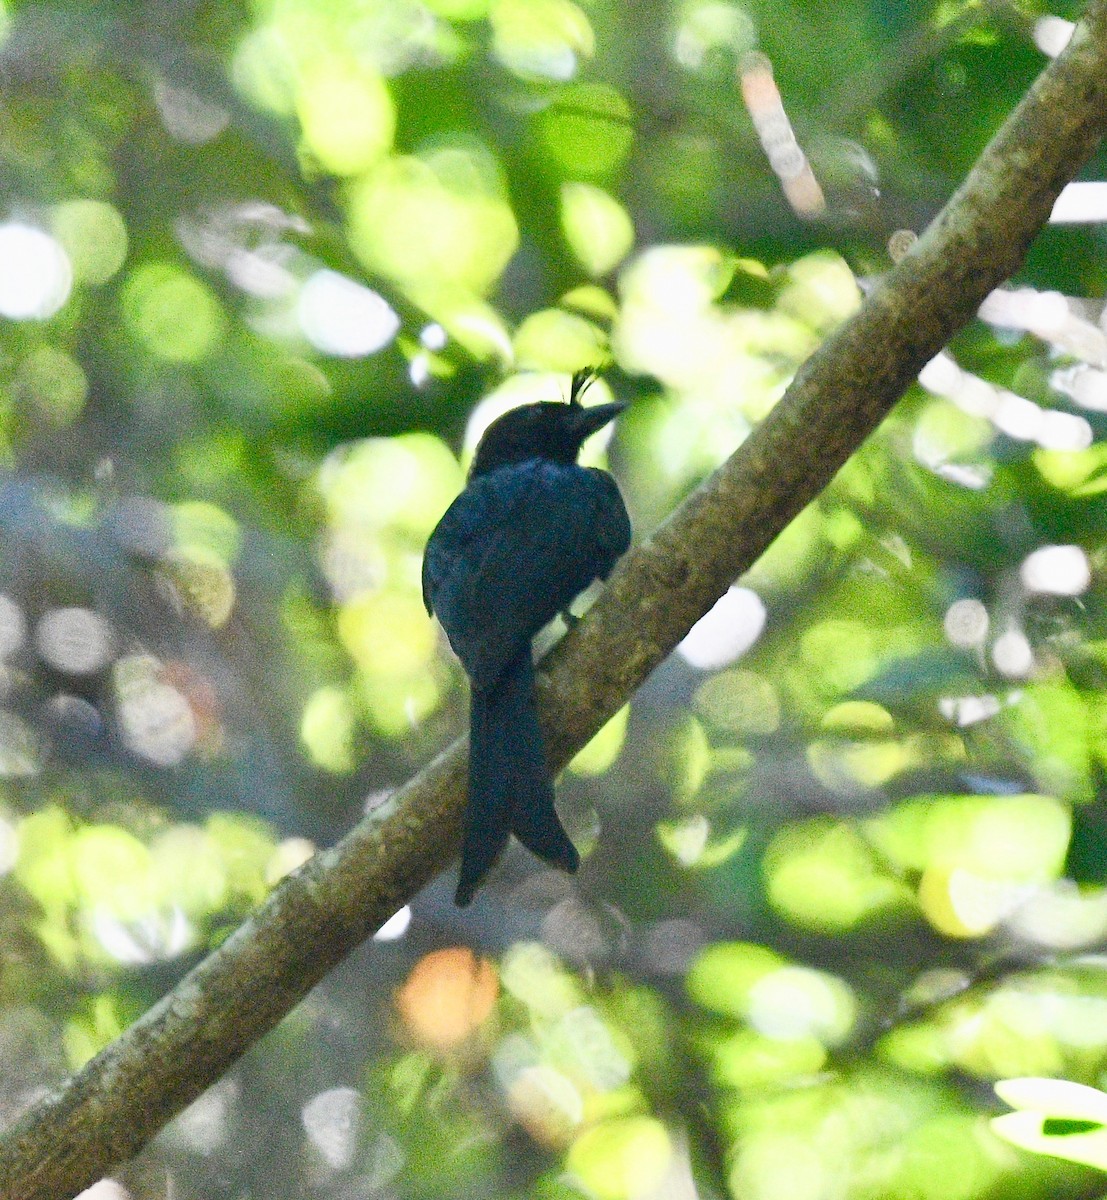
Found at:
<point>581,382</point>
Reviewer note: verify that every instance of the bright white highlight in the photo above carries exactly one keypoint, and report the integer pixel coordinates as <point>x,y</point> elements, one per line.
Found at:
<point>1086,386</point>
<point>1025,308</point>
<point>1080,203</point>
<point>1063,431</point>
<point>332,1120</point>
<point>106,1189</point>
<point>395,927</point>
<point>794,1002</point>
<point>433,336</point>
<point>1012,654</point>
<point>157,723</point>
<point>35,275</point>
<point>156,720</point>
<point>1049,316</point>
<point>1056,571</point>
<point>1052,34</point>
<point>966,623</point>
<point>344,318</point>
<point>968,710</point>
<point>148,939</point>
<point>726,632</point>
<point>77,641</point>
<point>1011,414</point>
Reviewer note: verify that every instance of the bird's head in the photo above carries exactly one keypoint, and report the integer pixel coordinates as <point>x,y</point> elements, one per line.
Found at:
<point>549,430</point>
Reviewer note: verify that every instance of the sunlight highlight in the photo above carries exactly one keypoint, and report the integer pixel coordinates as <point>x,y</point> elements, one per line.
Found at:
<point>1014,415</point>
<point>36,277</point>
<point>1084,202</point>
<point>726,632</point>
<point>1056,571</point>
<point>342,317</point>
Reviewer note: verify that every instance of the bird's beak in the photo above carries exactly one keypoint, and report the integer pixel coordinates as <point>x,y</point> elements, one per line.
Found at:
<point>588,420</point>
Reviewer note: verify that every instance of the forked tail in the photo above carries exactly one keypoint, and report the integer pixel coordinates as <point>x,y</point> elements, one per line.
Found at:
<point>510,790</point>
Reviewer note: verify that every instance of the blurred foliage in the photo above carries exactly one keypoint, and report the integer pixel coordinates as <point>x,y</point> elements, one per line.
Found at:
<point>266,271</point>
<point>1055,1116</point>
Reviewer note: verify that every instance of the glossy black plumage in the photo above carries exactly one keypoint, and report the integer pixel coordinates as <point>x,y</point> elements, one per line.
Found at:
<point>531,530</point>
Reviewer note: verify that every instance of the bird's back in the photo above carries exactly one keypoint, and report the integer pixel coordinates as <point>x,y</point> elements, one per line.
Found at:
<point>513,550</point>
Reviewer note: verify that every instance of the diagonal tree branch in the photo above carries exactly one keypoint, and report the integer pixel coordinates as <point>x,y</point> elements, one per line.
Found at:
<point>112,1107</point>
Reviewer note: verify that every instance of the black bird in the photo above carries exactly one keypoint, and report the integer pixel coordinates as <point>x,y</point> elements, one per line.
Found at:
<point>530,531</point>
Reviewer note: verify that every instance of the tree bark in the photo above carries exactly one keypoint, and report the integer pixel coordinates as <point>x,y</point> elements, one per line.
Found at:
<point>115,1104</point>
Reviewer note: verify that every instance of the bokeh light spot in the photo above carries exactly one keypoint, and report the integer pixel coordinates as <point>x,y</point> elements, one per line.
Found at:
<point>744,702</point>
<point>344,318</point>
<point>51,385</point>
<point>1020,838</point>
<point>94,237</point>
<point>173,314</point>
<point>327,729</point>
<point>531,974</point>
<point>621,1158</point>
<point>554,340</point>
<point>440,219</point>
<point>597,227</point>
<point>966,623</point>
<point>841,651</point>
<point>264,70</point>
<point>332,1121</point>
<point>289,855</point>
<point>726,632</point>
<point>821,875</point>
<point>156,719</point>
<point>346,113</point>
<point>540,38</point>
<point>588,130</point>
<point>36,276</point>
<point>723,975</point>
<point>200,525</point>
<point>197,580</point>
<point>387,633</point>
<point>797,1002</point>
<point>1056,571</point>
<point>708,27</point>
<point>187,115</point>
<point>112,868</point>
<point>404,482</point>
<point>1013,654</point>
<point>546,1102</point>
<point>447,997</point>
<point>77,641</point>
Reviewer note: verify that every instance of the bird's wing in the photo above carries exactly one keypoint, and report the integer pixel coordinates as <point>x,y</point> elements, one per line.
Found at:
<point>611,529</point>
<point>513,550</point>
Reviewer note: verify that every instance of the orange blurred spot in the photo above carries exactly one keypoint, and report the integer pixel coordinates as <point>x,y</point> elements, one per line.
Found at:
<point>447,997</point>
<point>778,139</point>
<point>547,1104</point>
<point>200,695</point>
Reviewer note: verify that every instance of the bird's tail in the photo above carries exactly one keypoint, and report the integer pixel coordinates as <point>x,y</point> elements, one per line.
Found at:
<point>510,790</point>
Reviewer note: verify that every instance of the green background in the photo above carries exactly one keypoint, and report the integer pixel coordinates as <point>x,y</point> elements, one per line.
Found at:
<point>266,270</point>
